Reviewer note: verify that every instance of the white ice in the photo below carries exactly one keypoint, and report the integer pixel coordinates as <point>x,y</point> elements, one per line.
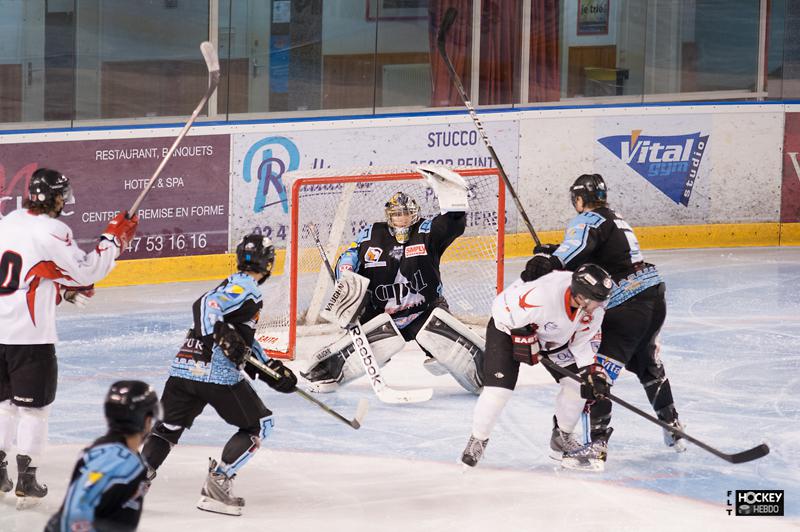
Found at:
<point>729,346</point>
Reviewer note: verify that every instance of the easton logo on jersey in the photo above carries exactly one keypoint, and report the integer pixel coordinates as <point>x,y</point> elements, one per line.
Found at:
<point>670,163</point>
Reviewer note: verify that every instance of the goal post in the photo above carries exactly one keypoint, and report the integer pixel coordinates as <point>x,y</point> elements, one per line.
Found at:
<point>339,205</point>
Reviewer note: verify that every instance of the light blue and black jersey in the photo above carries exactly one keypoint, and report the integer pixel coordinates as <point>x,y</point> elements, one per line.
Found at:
<point>237,300</point>
<point>106,490</point>
<point>605,239</point>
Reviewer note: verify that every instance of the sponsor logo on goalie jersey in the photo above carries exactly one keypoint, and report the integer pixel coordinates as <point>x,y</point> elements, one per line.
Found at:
<point>670,162</point>
<point>372,258</point>
<point>416,250</point>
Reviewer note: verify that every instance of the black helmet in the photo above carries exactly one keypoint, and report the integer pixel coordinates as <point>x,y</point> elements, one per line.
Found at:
<point>592,282</point>
<point>255,253</point>
<point>128,404</point>
<point>45,185</point>
<point>591,188</point>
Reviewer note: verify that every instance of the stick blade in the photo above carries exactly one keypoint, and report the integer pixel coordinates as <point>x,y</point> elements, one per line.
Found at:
<point>361,413</point>
<point>395,397</point>
<point>749,455</point>
<point>210,55</point>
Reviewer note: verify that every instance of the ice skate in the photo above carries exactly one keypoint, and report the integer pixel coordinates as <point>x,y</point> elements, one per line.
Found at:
<point>320,378</point>
<point>562,442</point>
<point>434,367</point>
<point>5,483</point>
<point>29,492</point>
<point>474,451</point>
<point>217,493</point>
<point>589,457</point>
<point>676,443</point>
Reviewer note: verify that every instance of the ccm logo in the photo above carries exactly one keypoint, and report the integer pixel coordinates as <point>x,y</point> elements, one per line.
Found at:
<point>416,250</point>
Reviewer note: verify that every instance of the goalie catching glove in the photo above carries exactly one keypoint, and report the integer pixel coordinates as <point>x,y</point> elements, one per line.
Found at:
<point>449,187</point>
<point>347,301</point>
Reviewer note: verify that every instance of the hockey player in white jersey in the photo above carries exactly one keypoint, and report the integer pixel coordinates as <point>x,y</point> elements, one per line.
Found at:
<point>400,258</point>
<point>40,265</point>
<point>556,316</point>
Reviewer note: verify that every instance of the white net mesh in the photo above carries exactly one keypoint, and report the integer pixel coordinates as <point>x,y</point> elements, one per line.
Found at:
<point>337,205</point>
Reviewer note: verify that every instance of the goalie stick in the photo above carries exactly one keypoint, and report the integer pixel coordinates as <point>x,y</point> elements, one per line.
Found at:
<point>365,355</point>
<point>444,27</point>
<point>361,409</point>
<point>735,458</point>
<point>212,63</point>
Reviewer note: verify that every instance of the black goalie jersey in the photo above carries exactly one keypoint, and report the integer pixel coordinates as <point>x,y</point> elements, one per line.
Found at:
<point>404,278</point>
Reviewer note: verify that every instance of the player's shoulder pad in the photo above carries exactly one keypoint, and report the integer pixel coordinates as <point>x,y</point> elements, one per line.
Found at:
<point>240,286</point>
<point>112,460</point>
<point>364,235</point>
<point>590,218</point>
<point>425,225</point>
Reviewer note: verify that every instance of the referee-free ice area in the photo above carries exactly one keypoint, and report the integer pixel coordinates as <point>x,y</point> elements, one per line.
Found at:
<point>730,347</point>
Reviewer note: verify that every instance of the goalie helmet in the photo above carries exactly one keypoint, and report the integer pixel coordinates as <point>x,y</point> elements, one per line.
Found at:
<point>591,188</point>
<point>45,185</point>
<point>592,282</point>
<point>255,253</point>
<point>128,405</point>
<point>398,205</point>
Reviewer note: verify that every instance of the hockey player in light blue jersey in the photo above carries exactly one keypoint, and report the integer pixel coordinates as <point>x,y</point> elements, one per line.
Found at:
<point>207,370</point>
<point>109,482</point>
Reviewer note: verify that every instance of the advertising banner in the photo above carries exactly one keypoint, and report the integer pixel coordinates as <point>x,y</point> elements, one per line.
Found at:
<point>261,162</point>
<point>185,213</point>
<point>790,191</point>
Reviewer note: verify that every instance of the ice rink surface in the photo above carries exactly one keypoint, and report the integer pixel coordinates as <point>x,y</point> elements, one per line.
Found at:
<point>730,346</point>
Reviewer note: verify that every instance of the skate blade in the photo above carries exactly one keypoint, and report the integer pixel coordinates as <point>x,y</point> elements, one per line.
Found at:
<point>25,503</point>
<point>556,455</point>
<point>211,505</point>
<point>679,446</point>
<point>595,466</point>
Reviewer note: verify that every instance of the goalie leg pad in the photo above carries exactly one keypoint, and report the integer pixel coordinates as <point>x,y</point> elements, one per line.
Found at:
<point>333,363</point>
<point>457,347</point>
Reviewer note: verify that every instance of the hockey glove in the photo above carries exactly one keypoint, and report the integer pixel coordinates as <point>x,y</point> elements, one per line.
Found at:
<point>121,230</point>
<point>284,381</point>
<point>539,266</point>
<point>594,383</point>
<point>78,295</point>
<point>545,249</point>
<point>231,342</point>
<point>525,345</point>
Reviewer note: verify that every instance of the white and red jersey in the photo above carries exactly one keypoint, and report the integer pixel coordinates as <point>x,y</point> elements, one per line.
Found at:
<point>36,252</point>
<point>545,303</point>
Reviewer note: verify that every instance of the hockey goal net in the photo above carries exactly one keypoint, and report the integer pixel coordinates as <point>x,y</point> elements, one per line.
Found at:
<point>336,206</point>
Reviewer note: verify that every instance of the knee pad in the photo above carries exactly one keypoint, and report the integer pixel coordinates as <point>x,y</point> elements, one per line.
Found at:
<point>455,346</point>
<point>32,430</point>
<point>169,433</point>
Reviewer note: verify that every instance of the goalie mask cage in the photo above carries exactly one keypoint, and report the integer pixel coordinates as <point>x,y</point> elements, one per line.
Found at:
<point>337,206</point>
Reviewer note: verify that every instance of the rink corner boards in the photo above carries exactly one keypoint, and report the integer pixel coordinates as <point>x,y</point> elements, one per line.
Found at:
<point>219,266</point>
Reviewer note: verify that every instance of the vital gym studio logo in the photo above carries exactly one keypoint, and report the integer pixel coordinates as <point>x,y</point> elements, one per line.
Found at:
<point>265,163</point>
<point>670,163</point>
<point>755,502</point>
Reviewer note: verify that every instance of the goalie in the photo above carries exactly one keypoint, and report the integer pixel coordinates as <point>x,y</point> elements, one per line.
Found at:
<point>399,288</point>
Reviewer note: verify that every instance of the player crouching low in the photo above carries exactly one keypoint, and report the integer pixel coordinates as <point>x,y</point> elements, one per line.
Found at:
<point>557,316</point>
<point>206,371</point>
<point>400,260</point>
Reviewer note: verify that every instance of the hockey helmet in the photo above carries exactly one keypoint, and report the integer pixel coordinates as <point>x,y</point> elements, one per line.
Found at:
<point>45,185</point>
<point>401,204</point>
<point>589,187</point>
<point>255,253</point>
<point>592,282</point>
<point>128,404</point>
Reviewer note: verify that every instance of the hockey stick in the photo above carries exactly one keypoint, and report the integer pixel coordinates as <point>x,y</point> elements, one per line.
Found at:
<point>361,409</point>
<point>735,458</point>
<point>367,357</point>
<point>212,63</point>
<point>447,22</point>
